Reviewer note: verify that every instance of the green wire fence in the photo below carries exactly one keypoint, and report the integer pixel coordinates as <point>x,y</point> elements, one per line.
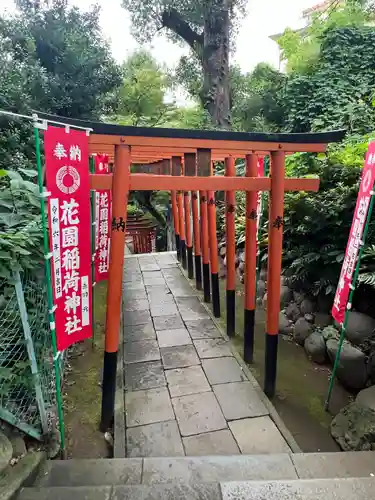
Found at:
<point>27,381</point>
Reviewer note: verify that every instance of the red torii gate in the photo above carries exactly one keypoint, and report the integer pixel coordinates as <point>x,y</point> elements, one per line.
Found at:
<point>182,160</point>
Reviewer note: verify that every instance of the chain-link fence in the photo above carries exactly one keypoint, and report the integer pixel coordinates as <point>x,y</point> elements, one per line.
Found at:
<point>27,382</point>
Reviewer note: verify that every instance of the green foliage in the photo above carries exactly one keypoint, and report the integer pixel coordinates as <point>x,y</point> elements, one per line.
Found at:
<point>300,49</point>
<point>20,222</point>
<point>317,225</point>
<point>53,58</point>
<point>141,97</point>
<point>367,269</point>
<point>61,48</point>
<point>339,92</point>
<point>255,102</point>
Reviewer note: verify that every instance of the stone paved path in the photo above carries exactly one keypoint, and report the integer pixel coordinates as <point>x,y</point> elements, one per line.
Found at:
<point>185,392</point>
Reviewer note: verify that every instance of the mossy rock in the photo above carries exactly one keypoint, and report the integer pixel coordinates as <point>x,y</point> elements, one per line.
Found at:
<point>353,428</point>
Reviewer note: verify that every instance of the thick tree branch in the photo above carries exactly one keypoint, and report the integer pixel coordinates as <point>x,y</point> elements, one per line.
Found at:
<point>172,20</point>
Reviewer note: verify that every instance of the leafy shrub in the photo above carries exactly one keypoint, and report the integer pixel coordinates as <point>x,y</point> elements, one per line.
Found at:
<point>20,222</point>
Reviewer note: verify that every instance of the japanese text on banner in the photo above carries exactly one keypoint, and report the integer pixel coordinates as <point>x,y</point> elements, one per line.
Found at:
<point>103,222</point>
<point>67,178</point>
<point>259,197</point>
<point>355,236</point>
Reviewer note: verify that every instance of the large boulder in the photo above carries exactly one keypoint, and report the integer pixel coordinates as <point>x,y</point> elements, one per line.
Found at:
<point>322,319</point>
<point>354,428</point>
<point>286,295</point>
<point>330,332</point>
<point>324,303</point>
<point>302,330</point>
<point>307,306</point>
<point>359,327</point>
<point>293,311</point>
<point>298,297</point>
<point>367,398</point>
<point>315,347</point>
<point>285,327</point>
<point>351,369</point>
<point>371,367</point>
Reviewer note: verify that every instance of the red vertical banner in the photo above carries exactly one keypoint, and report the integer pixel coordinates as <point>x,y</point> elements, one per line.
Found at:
<point>259,197</point>
<point>67,179</point>
<point>355,236</point>
<point>103,209</point>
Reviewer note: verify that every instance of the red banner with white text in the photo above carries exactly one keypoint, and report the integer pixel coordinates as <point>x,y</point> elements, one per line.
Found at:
<point>67,179</point>
<point>259,200</point>
<point>103,206</point>
<point>355,236</point>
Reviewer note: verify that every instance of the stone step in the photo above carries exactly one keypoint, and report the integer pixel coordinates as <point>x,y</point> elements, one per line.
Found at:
<point>135,471</point>
<point>311,489</point>
<point>301,489</point>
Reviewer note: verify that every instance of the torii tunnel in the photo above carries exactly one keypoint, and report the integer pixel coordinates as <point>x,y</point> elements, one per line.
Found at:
<point>181,162</point>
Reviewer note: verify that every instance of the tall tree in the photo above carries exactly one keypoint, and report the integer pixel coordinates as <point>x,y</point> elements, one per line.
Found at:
<point>77,70</point>
<point>206,26</point>
<point>142,95</point>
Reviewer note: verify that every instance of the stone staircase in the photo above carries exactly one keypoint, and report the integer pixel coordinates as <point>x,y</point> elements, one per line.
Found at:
<point>283,477</point>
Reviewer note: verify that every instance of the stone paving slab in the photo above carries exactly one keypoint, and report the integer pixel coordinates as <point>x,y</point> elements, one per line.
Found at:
<point>200,491</point>
<point>142,351</point>
<point>166,309</point>
<point>155,291</point>
<point>159,298</point>
<point>136,305</point>
<point>168,322</point>
<point>198,413</point>
<point>155,440</point>
<point>179,357</point>
<point>136,318</point>
<point>202,329</point>
<point>155,281</point>
<point>96,472</point>
<point>148,407</point>
<point>330,465</point>
<point>172,273</point>
<point>239,400</point>
<point>133,285</point>
<point>184,381</point>
<point>137,293</point>
<point>166,260</point>
<point>136,333</point>
<point>217,468</point>
<point>212,348</point>
<point>335,489</point>
<point>148,266</point>
<point>211,443</point>
<point>142,376</point>
<point>223,370</point>
<point>191,308</point>
<point>258,435</point>
<point>131,277</point>
<point>68,493</point>
<point>171,338</point>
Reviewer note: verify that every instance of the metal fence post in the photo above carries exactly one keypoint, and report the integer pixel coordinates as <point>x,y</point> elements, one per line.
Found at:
<point>31,351</point>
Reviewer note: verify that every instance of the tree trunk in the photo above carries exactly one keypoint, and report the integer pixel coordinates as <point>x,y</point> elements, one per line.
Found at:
<point>212,49</point>
<point>215,62</point>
